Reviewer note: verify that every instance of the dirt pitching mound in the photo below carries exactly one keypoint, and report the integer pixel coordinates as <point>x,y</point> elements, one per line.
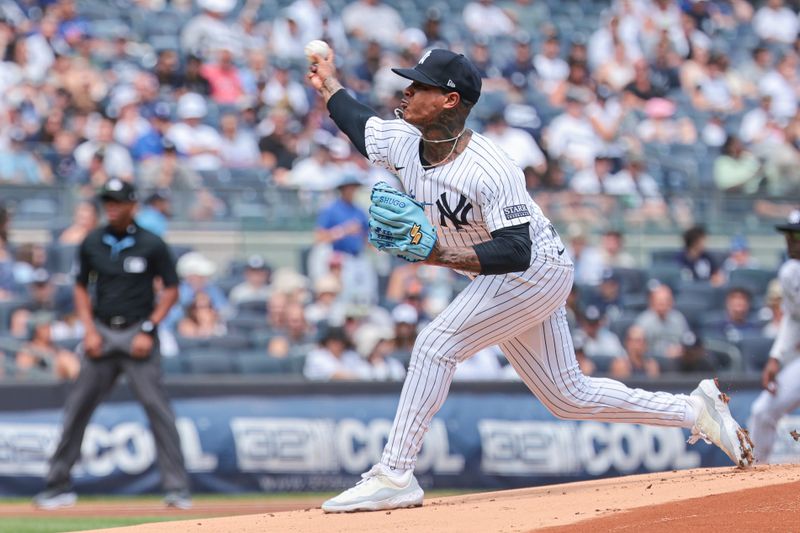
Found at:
<point>761,498</point>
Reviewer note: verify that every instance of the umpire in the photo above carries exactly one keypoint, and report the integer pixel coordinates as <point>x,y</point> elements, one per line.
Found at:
<point>121,260</point>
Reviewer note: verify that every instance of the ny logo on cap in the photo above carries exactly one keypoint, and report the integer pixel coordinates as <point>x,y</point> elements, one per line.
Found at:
<point>424,57</point>
<point>114,185</point>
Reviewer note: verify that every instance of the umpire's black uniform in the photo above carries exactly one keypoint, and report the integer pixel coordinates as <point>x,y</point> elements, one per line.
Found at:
<point>121,265</point>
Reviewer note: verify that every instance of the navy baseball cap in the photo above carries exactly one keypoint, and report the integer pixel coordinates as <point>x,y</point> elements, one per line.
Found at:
<point>118,191</point>
<point>447,70</point>
<point>792,222</point>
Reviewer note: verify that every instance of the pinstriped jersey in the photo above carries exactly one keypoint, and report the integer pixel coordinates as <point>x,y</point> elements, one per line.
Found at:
<point>479,192</point>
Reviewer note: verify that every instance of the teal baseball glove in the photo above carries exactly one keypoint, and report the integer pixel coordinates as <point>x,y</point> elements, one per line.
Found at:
<point>398,225</point>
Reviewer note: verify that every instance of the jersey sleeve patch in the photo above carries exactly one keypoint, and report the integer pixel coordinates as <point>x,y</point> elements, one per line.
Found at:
<point>516,211</point>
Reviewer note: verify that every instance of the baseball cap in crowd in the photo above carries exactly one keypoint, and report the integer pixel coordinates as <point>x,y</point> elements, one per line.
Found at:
<point>118,191</point>
<point>256,262</point>
<point>195,264</point>
<point>592,314</point>
<point>217,6</point>
<point>349,179</point>
<point>158,195</point>
<point>405,314</point>
<point>161,111</point>
<point>447,70</point>
<point>192,105</point>
<point>609,275</point>
<point>739,244</point>
<point>40,276</point>
<point>792,222</point>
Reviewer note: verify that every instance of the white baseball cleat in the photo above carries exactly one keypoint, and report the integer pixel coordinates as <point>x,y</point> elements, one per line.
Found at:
<point>376,491</point>
<point>715,425</point>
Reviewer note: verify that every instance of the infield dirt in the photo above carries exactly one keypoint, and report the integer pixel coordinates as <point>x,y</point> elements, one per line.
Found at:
<point>764,498</point>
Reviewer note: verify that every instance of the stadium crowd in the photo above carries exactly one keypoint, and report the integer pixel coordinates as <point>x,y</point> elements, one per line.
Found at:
<point>627,111</point>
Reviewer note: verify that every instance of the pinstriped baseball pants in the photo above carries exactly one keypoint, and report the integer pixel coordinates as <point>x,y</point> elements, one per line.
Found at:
<point>524,314</point>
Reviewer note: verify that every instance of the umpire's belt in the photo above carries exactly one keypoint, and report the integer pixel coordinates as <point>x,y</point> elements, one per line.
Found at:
<point>119,321</point>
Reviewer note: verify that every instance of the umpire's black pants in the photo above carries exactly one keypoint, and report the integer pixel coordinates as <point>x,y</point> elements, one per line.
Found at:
<point>96,378</point>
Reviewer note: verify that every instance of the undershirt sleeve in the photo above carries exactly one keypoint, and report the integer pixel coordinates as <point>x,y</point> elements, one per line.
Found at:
<point>509,250</point>
<point>351,116</point>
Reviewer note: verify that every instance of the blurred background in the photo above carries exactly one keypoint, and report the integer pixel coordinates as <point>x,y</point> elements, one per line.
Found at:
<point>661,137</point>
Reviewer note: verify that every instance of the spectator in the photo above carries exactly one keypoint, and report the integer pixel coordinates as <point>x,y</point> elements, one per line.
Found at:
<point>774,22</point>
<point>406,321</point>
<point>551,69</point>
<point>41,298</point>
<point>661,127</point>
<point>588,259</point>
<point>288,38</point>
<point>773,306</point>
<point>608,296</point>
<point>315,172</point>
<point>278,144</point>
<point>485,19</point>
<point>84,221</point>
<point>376,344</point>
<point>151,142</point>
<point>737,170</point>
<point>284,92</point>
<point>760,126</point>
<point>256,284</point>
<point>739,256</point>
<point>598,341</point>
<point>592,180</point>
<point>17,165</point>
<point>154,215</point>
<point>663,325</point>
<point>520,71</point>
<point>199,142</point>
<point>755,69</point>
<point>113,158</point>
<point>195,272</point>
<point>783,86</point>
<point>201,320</point>
<point>736,323</point>
<point>694,358</point>
<point>636,361</point>
<point>130,125</point>
<point>41,356</point>
<point>638,191</point>
<point>295,339</point>
<point>208,31</point>
<point>167,71</point>
<point>570,136</point>
<point>517,143</point>
<point>193,79</point>
<point>334,359</point>
<point>695,259</point>
<point>587,366</point>
<point>223,77</point>
<point>577,81</point>
<point>63,166</point>
<point>618,70</point>
<point>484,365</point>
<point>715,92</point>
<point>344,226</point>
<point>238,147</point>
<point>606,115</point>
<point>326,292</point>
<point>372,20</point>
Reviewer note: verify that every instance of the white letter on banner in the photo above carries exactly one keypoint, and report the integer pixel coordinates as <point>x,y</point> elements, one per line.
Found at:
<point>626,462</point>
<point>26,448</point>
<point>284,444</point>
<point>525,448</point>
<point>595,462</point>
<point>141,453</point>
<point>193,455</point>
<point>443,461</point>
<point>96,457</point>
<point>351,442</point>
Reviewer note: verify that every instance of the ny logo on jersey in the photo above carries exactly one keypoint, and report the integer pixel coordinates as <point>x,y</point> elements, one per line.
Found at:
<point>457,216</point>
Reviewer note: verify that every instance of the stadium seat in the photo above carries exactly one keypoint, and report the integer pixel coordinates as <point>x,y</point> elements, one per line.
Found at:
<point>755,352</point>
<point>667,274</point>
<point>664,256</point>
<point>173,365</point>
<point>230,342</point>
<point>61,258</point>
<point>209,362</point>
<point>620,326</point>
<point>602,364</point>
<point>755,280</point>
<point>246,324</point>
<point>261,363</point>
<point>632,280</point>
<point>254,308</point>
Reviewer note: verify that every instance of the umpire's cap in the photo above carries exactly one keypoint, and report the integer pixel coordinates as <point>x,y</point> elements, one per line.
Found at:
<point>118,191</point>
<point>447,70</point>
<point>792,223</point>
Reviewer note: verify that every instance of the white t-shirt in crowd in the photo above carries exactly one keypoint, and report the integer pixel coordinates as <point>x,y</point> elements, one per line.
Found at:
<point>784,97</point>
<point>487,21</point>
<point>519,145</point>
<point>776,24</point>
<point>188,138</point>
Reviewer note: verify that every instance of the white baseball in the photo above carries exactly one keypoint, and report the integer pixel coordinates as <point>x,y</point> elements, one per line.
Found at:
<point>317,47</point>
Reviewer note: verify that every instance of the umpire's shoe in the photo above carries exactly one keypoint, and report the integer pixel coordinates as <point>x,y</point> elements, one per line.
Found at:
<point>715,425</point>
<point>178,499</point>
<point>55,498</point>
<point>378,490</point>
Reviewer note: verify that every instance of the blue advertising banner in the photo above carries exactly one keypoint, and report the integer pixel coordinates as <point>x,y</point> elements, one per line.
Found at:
<point>323,442</point>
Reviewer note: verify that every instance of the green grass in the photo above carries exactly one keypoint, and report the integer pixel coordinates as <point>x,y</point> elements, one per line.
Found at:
<point>55,524</point>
